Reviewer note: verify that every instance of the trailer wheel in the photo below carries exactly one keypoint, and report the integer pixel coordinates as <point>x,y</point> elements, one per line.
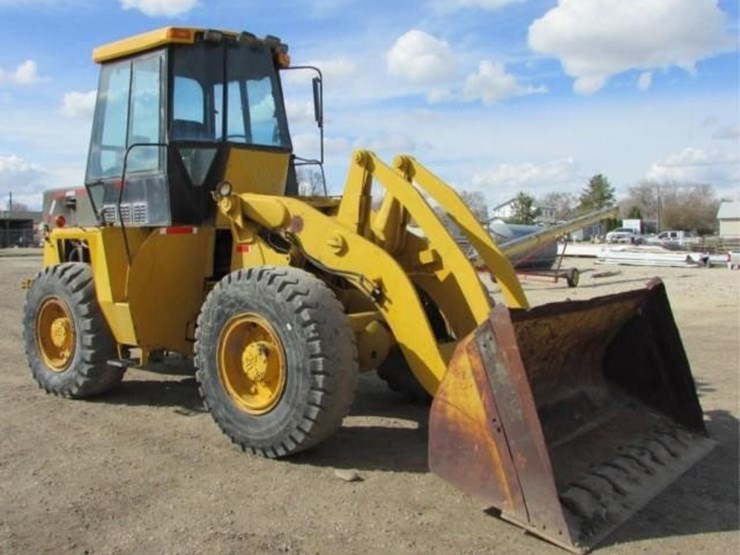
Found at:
<point>276,360</point>
<point>572,277</point>
<point>67,340</point>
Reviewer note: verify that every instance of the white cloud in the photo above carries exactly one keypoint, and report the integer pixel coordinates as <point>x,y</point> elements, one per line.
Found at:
<point>27,180</point>
<point>437,95</point>
<point>418,57</point>
<point>492,84</point>
<point>727,133</point>
<point>507,180</point>
<point>334,71</point>
<point>338,69</point>
<point>695,165</point>
<point>299,111</point>
<point>19,176</point>
<point>387,143</point>
<point>79,104</point>
<point>595,39</point>
<point>307,145</point>
<point>154,8</point>
<point>645,80</point>
<point>25,74</point>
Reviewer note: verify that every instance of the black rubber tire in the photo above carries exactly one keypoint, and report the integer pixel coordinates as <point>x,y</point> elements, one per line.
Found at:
<point>395,370</point>
<point>88,373</point>
<point>573,277</point>
<point>320,359</point>
<point>397,375</point>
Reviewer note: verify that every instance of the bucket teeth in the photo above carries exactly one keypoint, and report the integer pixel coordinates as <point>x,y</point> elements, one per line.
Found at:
<point>612,491</point>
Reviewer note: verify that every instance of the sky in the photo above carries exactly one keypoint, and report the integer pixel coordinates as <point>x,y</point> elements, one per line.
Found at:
<point>497,96</point>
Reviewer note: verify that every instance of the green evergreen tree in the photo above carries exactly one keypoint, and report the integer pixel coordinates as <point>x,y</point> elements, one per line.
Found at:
<point>524,209</point>
<point>598,194</point>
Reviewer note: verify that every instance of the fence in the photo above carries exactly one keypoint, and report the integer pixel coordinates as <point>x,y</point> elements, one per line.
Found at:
<point>17,238</point>
<point>717,245</point>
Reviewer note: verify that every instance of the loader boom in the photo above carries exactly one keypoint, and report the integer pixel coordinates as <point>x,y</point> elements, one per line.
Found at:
<point>352,245</point>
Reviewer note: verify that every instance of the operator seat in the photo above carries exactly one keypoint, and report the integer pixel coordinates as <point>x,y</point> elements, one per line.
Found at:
<point>188,130</point>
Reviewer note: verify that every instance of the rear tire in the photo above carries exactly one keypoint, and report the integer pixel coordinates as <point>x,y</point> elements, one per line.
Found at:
<point>276,360</point>
<point>67,340</point>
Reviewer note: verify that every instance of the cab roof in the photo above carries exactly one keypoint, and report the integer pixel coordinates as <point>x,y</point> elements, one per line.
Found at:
<point>143,42</point>
<point>164,36</point>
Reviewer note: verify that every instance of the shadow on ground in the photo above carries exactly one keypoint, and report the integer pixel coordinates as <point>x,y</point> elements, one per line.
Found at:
<point>387,433</point>
<point>703,501</point>
<point>180,394</point>
<point>384,432</point>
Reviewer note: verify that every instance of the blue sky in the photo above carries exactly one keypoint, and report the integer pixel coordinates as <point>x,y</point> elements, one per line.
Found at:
<point>498,96</point>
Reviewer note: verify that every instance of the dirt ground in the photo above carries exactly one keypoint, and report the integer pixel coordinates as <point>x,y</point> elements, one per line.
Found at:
<point>144,469</point>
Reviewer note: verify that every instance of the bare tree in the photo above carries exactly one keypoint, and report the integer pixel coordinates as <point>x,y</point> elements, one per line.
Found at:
<point>691,208</point>
<point>685,206</point>
<point>642,197</point>
<point>476,201</point>
<point>563,204</point>
<point>310,182</point>
<point>18,207</point>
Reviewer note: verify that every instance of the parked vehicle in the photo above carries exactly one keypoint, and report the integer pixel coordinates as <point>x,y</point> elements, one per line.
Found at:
<point>674,239</point>
<point>624,235</point>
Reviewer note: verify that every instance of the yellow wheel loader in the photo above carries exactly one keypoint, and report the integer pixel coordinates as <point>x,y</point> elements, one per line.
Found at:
<point>566,417</point>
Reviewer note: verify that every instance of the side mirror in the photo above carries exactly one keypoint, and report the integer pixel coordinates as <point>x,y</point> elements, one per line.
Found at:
<point>318,101</point>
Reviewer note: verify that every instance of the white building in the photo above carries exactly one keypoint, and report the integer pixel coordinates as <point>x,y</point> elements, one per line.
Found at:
<point>728,216</point>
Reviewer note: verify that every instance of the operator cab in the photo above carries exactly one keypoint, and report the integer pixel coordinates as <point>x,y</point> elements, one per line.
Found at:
<point>178,111</point>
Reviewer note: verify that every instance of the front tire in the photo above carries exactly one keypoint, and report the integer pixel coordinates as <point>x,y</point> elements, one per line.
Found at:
<point>276,360</point>
<point>67,340</point>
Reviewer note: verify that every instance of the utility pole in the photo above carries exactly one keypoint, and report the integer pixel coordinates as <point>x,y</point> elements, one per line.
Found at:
<point>6,239</point>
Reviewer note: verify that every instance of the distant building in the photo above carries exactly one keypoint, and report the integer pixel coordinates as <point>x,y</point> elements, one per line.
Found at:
<point>502,211</point>
<point>728,216</point>
<point>546,215</point>
<point>506,210</point>
<point>18,229</point>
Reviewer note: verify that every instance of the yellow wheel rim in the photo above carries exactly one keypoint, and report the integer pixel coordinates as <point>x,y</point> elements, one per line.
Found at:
<point>251,363</point>
<point>55,334</point>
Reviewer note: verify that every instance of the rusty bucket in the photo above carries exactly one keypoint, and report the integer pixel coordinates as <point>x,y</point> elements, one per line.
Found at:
<point>570,417</point>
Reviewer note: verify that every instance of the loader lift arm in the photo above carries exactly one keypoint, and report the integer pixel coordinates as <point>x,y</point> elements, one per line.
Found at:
<point>374,252</point>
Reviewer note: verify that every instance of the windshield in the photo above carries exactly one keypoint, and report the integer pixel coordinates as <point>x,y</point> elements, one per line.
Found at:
<point>227,92</point>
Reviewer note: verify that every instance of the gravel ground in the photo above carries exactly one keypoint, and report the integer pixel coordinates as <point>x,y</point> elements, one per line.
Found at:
<point>143,469</point>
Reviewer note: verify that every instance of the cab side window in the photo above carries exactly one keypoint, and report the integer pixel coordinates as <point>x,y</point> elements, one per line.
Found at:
<point>109,130</point>
<point>145,121</point>
<point>127,112</point>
